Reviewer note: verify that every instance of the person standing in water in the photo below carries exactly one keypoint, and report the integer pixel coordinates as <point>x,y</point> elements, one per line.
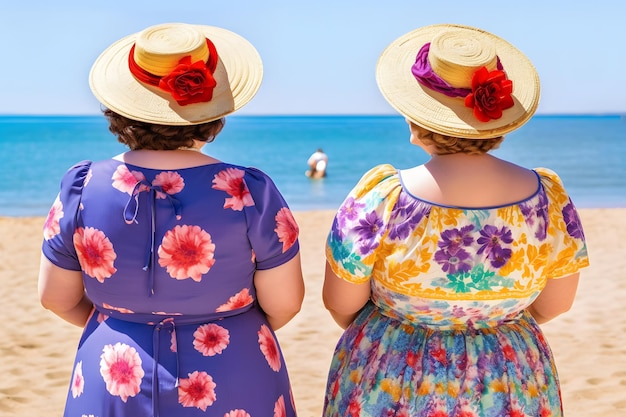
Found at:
<point>318,161</point>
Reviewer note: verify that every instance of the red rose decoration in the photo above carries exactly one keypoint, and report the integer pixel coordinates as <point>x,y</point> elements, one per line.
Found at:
<point>189,83</point>
<point>491,93</point>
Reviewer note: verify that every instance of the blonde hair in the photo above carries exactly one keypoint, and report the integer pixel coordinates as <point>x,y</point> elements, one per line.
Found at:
<point>444,145</point>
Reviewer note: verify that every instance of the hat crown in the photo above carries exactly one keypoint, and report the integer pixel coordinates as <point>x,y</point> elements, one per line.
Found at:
<point>158,49</point>
<point>417,73</point>
<point>455,57</point>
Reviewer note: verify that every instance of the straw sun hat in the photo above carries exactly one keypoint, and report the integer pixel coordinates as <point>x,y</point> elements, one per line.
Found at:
<point>434,76</point>
<point>177,74</point>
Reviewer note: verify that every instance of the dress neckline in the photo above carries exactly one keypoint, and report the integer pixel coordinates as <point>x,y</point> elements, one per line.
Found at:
<point>120,162</point>
<point>534,195</point>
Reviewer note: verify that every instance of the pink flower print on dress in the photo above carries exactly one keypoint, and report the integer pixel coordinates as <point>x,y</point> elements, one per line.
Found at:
<point>354,408</point>
<point>95,253</point>
<point>210,339</point>
<point>237,413</point>
<point>286,228</point>
<point>293,403</point>
<point>231,180</point>
<point>51,227</point>
<point>78,382</point>
<point>118,309</point>
<point>173,342</point>
<point>439,354</point>
<point>269,347</point>
<point>279,407</point>
<point>467,409</point>
<point>120,367</point>
<point>544,407</point>
<point>125,181</point>
<point>187,252</point>
<point>170,182</point>
<point>517,412</point>
<point>197,391</point>
<point>239,300</point>
<point>509,352</point>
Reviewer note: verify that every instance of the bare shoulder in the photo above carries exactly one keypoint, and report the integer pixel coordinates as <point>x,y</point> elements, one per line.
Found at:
<point>471,182</point>
<point>520,180</point>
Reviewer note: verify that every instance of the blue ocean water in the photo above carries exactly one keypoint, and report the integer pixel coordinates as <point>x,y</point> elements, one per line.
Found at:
<point>588,152</point>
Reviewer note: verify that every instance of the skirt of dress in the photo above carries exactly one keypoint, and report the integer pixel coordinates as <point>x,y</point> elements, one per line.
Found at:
<point>231,367</point>
<point>384,367</point>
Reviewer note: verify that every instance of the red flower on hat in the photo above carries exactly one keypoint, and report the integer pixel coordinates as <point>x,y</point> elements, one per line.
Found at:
<point>189,82</point>
<point>491,93</point>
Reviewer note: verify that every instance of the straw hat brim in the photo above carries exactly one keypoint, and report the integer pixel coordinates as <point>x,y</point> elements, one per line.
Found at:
<point>238,74</point>
<point>445,115</point>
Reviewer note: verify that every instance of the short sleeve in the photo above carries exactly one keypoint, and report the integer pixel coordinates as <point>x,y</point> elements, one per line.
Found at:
<point>272,228</point>
<point>60,224</point>
<point>565,230</point>
<point>361,223</point>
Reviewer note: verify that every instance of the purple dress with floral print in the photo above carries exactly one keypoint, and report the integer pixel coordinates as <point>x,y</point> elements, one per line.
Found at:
<point>446,332</point>
<point>168,259</point>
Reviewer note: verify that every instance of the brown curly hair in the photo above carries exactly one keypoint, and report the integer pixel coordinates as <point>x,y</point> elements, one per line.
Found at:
<point>444,145</point>
<point>141,135</point>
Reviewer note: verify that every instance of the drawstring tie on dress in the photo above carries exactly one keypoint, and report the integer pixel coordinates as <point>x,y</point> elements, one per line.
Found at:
<point>156,334</point>
<point>130,216</point>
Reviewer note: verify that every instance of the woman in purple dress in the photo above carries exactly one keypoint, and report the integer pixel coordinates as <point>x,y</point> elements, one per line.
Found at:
<point>178,266</point>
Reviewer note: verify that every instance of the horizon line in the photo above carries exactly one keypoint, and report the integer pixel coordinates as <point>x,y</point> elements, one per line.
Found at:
<point>551,114</point>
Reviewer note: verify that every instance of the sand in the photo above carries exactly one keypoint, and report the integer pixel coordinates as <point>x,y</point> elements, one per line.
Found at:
<point>589,342</point>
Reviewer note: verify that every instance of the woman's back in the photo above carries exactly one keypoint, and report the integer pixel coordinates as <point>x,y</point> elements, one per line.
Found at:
<point>463,180</point>
<point>180,238</point>
<point>488,262</point>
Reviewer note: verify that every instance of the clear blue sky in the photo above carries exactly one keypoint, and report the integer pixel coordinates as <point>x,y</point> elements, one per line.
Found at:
<point>319,56</point>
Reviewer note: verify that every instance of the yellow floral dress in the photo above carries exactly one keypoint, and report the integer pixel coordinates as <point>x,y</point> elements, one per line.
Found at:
<point>446,332</point>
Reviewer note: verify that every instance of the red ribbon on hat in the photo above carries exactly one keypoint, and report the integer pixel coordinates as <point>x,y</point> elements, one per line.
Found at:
<point>188,83</point>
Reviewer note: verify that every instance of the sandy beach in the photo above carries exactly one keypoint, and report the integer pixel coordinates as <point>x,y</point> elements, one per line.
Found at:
<point>589,342</point>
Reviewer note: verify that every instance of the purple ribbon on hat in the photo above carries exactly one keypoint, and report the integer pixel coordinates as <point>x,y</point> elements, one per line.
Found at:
<point>425,75</point>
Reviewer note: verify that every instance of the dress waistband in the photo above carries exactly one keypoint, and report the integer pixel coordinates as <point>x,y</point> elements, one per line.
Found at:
<point>469,325</point>
<point>152,319</point>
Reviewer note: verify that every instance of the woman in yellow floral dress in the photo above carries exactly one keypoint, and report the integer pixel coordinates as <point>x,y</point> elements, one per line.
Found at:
<point>441,273</point>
